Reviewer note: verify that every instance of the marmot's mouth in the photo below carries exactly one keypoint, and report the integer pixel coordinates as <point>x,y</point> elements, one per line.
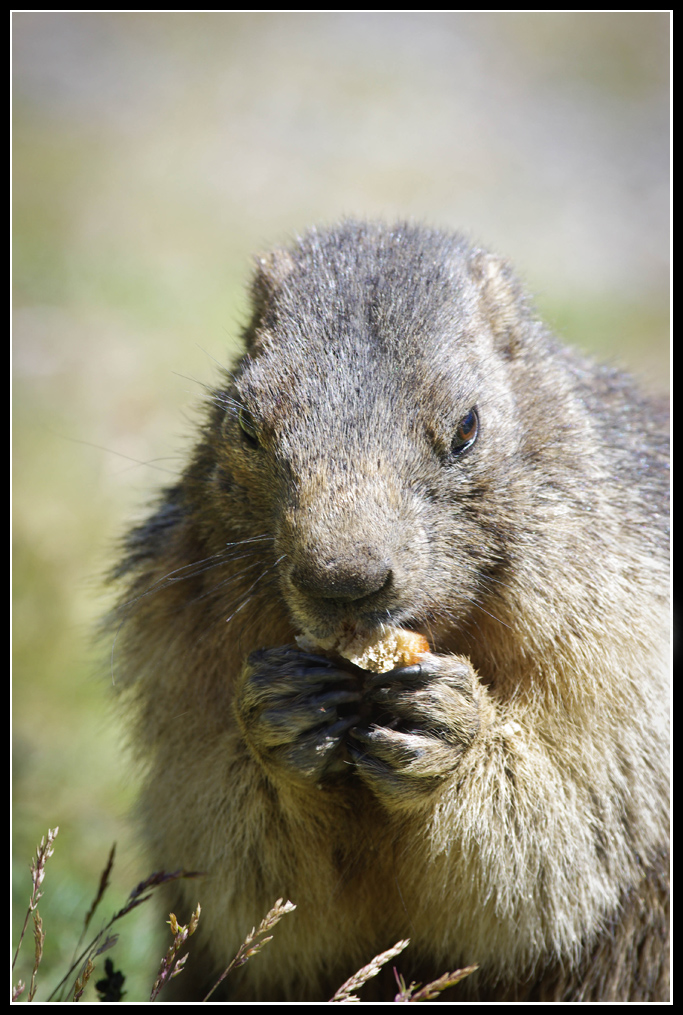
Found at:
<point>378,651</point>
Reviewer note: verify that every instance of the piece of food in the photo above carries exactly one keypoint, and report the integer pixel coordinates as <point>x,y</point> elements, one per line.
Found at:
<point>377,651</point>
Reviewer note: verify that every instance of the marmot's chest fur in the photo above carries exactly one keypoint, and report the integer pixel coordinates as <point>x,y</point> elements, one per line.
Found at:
<point>404,446</point>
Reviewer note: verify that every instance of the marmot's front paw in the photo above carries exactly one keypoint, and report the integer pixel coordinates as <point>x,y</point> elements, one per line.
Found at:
<point>295,710</point>
<point>422,719</point>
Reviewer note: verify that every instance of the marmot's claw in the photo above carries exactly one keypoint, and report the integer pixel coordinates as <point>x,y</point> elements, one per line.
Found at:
<point>296,709</point>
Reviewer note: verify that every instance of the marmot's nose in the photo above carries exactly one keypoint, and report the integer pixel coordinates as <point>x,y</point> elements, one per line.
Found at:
<point>342,579</point>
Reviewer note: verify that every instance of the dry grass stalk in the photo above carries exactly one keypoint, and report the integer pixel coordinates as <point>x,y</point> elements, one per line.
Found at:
<point>170,965</point>
<point>44,850</point>
<point>255,941</point>
<point>355,982</point>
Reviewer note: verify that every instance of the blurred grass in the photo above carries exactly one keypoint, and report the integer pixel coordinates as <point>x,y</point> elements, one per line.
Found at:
<point>153,154</point>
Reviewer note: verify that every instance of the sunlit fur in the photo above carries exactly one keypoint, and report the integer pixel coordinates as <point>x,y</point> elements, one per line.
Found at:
<point>530,837</point>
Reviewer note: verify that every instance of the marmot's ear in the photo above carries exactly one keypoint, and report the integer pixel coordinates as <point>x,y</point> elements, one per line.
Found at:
<point>272,269</point>
<point>502,300</point>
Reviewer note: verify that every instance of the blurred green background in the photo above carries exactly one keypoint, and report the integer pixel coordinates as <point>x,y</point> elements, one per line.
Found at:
<point>153,154</point>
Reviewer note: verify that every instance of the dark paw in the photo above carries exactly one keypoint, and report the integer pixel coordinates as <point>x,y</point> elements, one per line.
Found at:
<point>296,710</point>
<point>422,718</point>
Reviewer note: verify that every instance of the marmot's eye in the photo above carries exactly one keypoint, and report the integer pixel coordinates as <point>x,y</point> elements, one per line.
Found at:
<point>465,433</point>
<point>247,425</point>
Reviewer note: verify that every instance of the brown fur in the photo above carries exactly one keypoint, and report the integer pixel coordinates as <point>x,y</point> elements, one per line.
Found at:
<point>506,804</point>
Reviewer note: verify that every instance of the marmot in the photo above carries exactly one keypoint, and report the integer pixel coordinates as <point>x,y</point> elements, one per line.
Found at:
<point>404,445</point>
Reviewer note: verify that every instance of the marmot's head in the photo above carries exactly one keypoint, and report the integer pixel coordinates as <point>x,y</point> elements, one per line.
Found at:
<point>377,427</point>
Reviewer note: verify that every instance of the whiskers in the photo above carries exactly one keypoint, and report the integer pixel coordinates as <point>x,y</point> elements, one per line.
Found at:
<point>240,569</point>
<point>240,550</point>
<point>461,611</point>
<point>225,401</point>
<point>246,598</point>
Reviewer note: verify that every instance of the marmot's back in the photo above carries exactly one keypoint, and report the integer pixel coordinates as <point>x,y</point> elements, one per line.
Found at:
<point>404,445</point>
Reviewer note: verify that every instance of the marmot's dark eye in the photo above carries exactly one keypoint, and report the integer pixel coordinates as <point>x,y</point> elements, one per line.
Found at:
<point>465,433</point>
<point>247,425</point>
